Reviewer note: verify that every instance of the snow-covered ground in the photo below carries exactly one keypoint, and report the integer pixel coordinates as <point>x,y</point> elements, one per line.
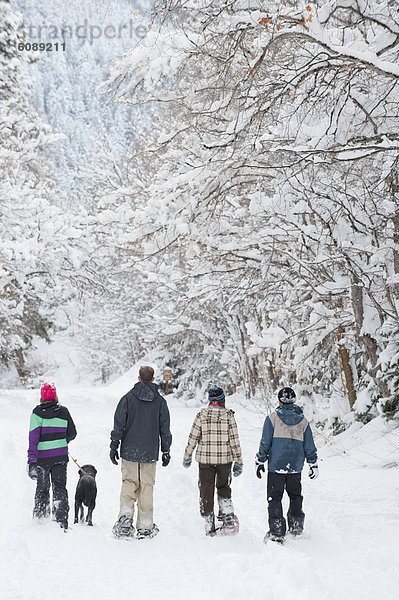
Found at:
<point>349,550</point>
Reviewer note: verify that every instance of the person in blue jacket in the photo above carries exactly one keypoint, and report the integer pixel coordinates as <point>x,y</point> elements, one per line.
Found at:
<point>286,442</point>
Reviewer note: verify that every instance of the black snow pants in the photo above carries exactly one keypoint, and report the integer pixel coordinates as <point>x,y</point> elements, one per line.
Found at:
<point>210,476</point>
<point>276,483</point>
<point>55,474</point>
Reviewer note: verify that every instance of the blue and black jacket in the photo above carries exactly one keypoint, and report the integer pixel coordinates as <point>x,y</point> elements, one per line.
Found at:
<point>287,440</point>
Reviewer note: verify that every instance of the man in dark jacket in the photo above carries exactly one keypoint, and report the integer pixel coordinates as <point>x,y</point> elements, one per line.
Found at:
<point>141,420</point>
<point>287,440</point>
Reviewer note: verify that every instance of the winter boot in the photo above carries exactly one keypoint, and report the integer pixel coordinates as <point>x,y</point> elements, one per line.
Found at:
<point>295,523</point>
<point>230,525</point>
<point>278,539</point>
<point>64,525</point>
<point>210,525</point>
<point>229,522</point>
<point>147,533</point>
<point>41,509</point>
<point>225,508</point>
<point>123,528</point>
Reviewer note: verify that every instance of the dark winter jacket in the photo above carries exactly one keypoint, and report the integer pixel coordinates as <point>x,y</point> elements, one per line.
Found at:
<point>141,419</point>
<point>287,440</point>
<point>51,429</point>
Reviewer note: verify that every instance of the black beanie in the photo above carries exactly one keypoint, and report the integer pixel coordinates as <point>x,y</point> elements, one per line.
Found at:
<point>215,394</point>
<point>287,395</point>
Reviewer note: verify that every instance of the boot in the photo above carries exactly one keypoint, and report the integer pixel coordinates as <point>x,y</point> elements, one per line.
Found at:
<point>278,539</point>
<point>230,525</point>
<point>209,525</point>
<point>295,523</point>
<point>123,528</point>
<point>147,533</point>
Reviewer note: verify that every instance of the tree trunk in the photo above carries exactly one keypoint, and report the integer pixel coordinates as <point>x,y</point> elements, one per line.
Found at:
<point>394,185</point>
<point>357,305</point>
<point>396,250</point>
<point>346,367</point>
<point>20,365</point>
<point>249,367</point>
<point>104,374</point>
<point>271,370</point>
<point>366,340</point>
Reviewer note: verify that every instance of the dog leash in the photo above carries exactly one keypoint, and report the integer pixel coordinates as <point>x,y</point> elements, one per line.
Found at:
<point>76,462</point>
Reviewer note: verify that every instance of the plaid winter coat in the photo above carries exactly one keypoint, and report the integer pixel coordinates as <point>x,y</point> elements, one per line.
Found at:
<point>215,434</point>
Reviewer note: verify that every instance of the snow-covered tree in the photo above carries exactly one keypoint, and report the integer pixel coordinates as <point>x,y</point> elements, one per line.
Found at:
<point>40,252</point>
<point>65,93</point>
<point>271,193</point>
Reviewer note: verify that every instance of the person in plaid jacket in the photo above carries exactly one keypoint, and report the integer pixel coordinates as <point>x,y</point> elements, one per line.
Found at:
<point>215,434</point>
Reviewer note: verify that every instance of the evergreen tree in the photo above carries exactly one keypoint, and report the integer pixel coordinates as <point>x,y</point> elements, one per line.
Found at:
<point>38,239</point>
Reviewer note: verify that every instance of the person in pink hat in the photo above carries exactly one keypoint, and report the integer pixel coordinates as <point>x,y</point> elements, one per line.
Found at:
<point>51,429</point>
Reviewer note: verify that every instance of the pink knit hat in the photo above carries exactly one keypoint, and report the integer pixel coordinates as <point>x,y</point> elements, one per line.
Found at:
<point>48,392</point>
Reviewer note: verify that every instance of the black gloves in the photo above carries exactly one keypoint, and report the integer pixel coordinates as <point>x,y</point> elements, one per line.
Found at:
<point>260,468</point>
<point>165,459</point>
<point>32,470</point>
<point>114,456</point>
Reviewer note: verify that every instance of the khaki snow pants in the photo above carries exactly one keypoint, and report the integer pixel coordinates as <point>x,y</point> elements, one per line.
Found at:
<point>138,480</point>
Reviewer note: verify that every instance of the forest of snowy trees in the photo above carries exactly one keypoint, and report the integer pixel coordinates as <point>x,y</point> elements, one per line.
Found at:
<point>249,233</point>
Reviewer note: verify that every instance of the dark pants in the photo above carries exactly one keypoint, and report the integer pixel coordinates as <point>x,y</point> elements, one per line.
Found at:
<point>276,483</point>
<point>57,475</point>
<point>210,476</point>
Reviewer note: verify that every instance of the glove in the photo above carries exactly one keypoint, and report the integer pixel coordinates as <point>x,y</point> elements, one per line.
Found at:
<point>237,469</point>
<point>32,470</point>
<point>313,471</point>
<point>114,456</point>
<point>187,463</point>
<point>260,468</point>
<point>165,459</point>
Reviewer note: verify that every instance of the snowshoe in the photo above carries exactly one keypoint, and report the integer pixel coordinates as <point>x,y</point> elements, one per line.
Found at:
<point>123,528</point>
<point>143,534</point>
<point>270,537</point>
<point>230,526</point>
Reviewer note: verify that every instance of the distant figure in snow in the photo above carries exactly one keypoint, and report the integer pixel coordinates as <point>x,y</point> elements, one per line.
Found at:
<point>51,430</point>
<point>141,420</point>
<point>215,434</point>
<point>287,440</point>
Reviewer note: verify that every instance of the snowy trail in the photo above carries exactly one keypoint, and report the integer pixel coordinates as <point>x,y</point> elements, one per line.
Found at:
<point>349,550</point>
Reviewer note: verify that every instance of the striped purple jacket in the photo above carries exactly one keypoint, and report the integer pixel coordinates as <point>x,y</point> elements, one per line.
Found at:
<point>51,429</point>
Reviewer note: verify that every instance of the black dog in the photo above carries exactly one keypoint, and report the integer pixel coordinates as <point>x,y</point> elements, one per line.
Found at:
<point>86,493</point>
